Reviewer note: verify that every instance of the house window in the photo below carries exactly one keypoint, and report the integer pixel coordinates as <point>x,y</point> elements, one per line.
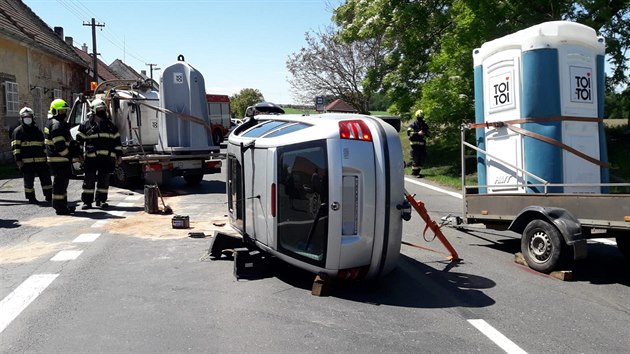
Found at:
<point>11,98</point>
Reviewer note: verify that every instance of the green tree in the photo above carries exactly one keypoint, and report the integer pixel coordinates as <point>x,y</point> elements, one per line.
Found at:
<point>245,98</point>
<point>430,66</point>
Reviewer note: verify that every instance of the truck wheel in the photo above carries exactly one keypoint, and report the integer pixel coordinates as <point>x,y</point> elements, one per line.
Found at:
<point>218,137</point>
<point>541,245</point>
<point>120,178</point>
<point>193,180</point>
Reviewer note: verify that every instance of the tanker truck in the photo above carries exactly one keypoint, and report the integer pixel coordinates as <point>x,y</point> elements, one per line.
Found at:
<point>165,134</point>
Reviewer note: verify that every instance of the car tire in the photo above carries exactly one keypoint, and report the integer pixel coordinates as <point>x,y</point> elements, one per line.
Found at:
<point>193,180</point>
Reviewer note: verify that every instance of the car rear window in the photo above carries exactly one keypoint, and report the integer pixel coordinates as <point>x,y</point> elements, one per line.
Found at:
<point>290,128</point>
<point>263,128</point>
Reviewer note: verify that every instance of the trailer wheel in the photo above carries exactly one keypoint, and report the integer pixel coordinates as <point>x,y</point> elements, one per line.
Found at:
<point>121,179</point>
<point>541,245</point>
<point>193,180</point>
<point>218,137</point>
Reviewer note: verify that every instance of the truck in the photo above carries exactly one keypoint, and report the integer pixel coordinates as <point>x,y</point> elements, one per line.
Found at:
<point>220,116</point>
<point>540,145</point>
<point>164,134</point>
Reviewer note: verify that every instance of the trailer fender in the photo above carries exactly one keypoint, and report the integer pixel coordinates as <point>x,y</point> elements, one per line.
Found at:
<point>567,224</point>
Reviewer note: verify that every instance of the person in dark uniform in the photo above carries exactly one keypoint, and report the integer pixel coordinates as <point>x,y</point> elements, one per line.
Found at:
<point>30,156</point>
<point>61,151</point>
<point>103,150</point>
<point>417,132</point>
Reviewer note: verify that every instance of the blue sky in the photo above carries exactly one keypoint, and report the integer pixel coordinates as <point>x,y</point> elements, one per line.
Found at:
<point>235,44</point>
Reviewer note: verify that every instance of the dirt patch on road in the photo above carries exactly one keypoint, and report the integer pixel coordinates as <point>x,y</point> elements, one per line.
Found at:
<point>158,226</point>
<point>27,252</point>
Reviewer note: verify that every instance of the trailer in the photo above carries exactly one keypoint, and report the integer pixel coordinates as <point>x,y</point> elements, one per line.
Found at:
<point>554,227</point>
<point>165,133</point>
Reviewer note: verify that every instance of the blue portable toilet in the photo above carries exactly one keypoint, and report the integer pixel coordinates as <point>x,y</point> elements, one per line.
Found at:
<point>553,75</point>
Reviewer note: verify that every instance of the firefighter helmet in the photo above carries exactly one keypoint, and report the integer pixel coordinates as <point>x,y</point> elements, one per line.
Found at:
<point>58,105</point>
<point>419,114</point>
<point>26,112</point>
<point>98,105</point>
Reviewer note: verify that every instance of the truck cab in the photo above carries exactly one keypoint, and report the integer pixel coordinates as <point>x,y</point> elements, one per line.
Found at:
<point>319,192</point>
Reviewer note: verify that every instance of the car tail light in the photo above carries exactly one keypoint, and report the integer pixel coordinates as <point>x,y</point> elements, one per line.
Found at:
<point>273,200</point>
<point>354,130</point>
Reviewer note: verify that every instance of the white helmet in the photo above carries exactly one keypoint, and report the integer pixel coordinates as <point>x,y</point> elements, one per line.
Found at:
<point>98,105</point>
<point>26,112</point>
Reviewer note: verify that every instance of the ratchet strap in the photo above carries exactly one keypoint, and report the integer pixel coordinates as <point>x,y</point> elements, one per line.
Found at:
<point>510,125</point>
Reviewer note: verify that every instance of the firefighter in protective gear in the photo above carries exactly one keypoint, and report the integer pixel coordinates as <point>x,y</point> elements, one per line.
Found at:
<point>30,156</point>
<point>103,150</point>
<point>417,132</point>
<point>61,150</point>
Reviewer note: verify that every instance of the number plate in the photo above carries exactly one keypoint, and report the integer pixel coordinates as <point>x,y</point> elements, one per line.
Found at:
<point>187,165</point>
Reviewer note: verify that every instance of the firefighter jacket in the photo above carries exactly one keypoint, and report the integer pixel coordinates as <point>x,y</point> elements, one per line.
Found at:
<point>28,144</point>
<point>413,132</point>
<point>101,140</point>
<point>60,148</point>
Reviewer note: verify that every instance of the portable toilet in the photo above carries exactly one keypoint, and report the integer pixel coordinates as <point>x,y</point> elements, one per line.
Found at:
<point>544,81</point>
<point>182,90</point>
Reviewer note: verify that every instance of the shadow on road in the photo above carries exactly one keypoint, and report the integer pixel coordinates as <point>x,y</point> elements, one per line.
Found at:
<point>605,264</point>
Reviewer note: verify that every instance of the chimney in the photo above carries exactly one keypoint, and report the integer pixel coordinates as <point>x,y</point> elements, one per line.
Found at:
<point>84,47</point>
<point>59,31</point>
<point>70,41</point>
<point>143,72</point>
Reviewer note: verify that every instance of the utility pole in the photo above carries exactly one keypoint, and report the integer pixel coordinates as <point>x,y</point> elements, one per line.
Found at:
<point>93,24</point>
<point>151,69</point>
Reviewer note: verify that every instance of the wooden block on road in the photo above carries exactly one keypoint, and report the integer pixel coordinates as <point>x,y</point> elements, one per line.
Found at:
<point>564,275</point>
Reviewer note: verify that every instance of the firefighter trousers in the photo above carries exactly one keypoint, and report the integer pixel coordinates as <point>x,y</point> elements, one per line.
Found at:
<point>418,155</point>
<point>62,171</point>
<point>96,175</point>
<point>41,170</point>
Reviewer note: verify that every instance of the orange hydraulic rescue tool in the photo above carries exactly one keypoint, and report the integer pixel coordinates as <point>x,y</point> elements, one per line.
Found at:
<point>422,211</point>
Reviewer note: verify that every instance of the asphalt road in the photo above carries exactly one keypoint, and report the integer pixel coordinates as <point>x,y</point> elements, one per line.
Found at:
<point>120,280</point>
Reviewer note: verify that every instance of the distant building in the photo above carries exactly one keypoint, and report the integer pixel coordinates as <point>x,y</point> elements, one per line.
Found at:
<point>340,106</point>
<point>103,71</point>
<point>37,65</point>
<point>126,72</point>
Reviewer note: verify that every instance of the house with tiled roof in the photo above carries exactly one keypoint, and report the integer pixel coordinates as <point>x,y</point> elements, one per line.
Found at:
<point>340,106</point>
<point>103,71</point>
<point>37,65</point>
<point>126,72</point>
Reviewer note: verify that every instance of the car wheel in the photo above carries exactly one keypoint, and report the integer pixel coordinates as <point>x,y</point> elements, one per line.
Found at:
<point>193,180</point>
<point>541,245</point>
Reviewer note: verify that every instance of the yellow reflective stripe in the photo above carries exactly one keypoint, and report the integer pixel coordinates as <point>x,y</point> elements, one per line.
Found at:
<point>58,159</point>
<point>64,152</point>
<point>48,142</point>
<point>46,131</point>
<point>90,154</point>
<point>33,143</point>
<point>29,190</point>
<point>117,135</point>
<point>88,191</point>
<point>76,159</point>
<point>79,134</point>
<point>118,148</point>
<point>17,151</point>
<point>59,196</point>
<point>102,190</point>
<point>34,159</point>
<point>16,142</point>
<point>102,135</point>
<point>47,187</point>
<point>102,152</point>
<point>58,139</point>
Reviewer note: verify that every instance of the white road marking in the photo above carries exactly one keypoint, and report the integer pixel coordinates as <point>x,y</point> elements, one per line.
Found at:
<point>86,238</point>
<point>499,339</point>
<point>66,256</point>
<point>125,205</point>
<point>100,223</point>
<point>116,212</point>
<point>604,241</point>
<point>12,305</point>
<point>134,197</point>
<point>438,189</point>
